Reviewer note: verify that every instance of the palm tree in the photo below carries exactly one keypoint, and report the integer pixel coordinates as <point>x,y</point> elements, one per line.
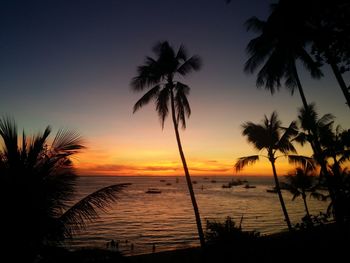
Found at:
<point>300,182</point>
<point>276,50</point>
<point>159,76</point>
<point>38,186</point>
<point>315,129</point>
<point>271,137</point>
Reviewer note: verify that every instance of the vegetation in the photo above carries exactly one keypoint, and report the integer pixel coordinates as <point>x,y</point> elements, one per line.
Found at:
<point>160,76</point>
<point>227,232</point>
<point>273,138</point>
<point>301,182</point>
<point>38,183</point>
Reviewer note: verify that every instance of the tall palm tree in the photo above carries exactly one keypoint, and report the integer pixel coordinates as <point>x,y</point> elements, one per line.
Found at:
<point>38,186</point>
<point>271,137</point>
<point>276,51</point>
<point>300,182</point>
<point>328,30</point>
<point>159,75</point>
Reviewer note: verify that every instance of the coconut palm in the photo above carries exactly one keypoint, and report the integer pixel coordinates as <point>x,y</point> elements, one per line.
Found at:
<point>159,75</point>
<point>273,138</point>
<point>333,147</point>
<point>276,51</point>
<point>300,182</point>
<point>38,189</point>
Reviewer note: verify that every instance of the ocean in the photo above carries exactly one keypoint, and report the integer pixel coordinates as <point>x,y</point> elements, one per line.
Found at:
<point>141,222</point>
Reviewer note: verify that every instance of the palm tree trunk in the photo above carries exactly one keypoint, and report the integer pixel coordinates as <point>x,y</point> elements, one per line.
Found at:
<point>300,88</point>
<point>305,205</point>
<point>284,209</point>
<point>339,78</point>
<point>315,145</point>
<point>187,174</point>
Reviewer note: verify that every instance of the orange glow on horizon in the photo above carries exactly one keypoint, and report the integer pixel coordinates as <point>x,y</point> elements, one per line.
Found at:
<point>174,168</point>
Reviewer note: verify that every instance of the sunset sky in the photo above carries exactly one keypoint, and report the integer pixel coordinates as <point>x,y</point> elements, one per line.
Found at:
<point>68,64</point>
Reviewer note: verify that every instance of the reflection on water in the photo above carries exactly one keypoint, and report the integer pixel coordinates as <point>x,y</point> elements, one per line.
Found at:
<point>139,221</point>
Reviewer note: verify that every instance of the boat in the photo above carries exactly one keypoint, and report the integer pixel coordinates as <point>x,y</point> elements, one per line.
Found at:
<point>274,190</point>
<point>153,191</point>
<point>249,186</point>
<point>168,184</point>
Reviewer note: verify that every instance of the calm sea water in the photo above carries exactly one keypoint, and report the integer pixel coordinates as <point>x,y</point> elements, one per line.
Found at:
<point>166,220</point>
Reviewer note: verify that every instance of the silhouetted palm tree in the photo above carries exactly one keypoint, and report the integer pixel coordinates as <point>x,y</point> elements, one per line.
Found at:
<point>276,50</point>
<point>271,137</point>
<point>332,147</point>
<point>160,76</point>
<point>38,186</point>
<point>300,182</point>
<point>328,30</point>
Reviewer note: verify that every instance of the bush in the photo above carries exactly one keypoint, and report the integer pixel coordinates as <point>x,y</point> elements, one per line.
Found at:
<point>228,232</point>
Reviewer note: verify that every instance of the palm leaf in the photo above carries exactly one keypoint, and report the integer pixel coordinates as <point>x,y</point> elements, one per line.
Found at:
<point>312,66</point>
<point>301,138</point>
<point>255,24</point>
<point>284,144</point>
<point>194,63</point>
<point>86,210</point>
<point>151,94</point>
<point>8,132</point>
<point>162,105</point>
<point>148,74</point>
<point>67,142</point>
<point>244,161</point>
<point>37,146</point>
<point>181,53</point>
<point>182,105</point>
<point>304,161</point>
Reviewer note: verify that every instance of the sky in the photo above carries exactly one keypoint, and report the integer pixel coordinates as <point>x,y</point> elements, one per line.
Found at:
<point>68,64</point>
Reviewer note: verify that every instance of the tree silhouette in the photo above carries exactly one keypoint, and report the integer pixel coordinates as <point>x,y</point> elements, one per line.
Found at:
<point>38,184</point>
<point>276,50</point>
<point>300,182</point>
<point>159,75</point>
<point>271,137</point>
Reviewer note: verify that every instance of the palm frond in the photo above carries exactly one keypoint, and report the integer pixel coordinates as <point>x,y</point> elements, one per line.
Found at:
<point>24,147</point>
<point>259,50</point>
<point>304,161</point>
<point>86,210</point>
<point>182,105</point>
<point>148,74</point>
<point>181,53</point>
<point>8,132</point>
<point>326,120</point>
<point>255,24</point>
<point>145,99</point>
<point>162,104</point>
<point>312,66</point>
<point>37,146</point>
<point>272,72</point>
<point>163,48</point>
<point>67,142</point>
<point>301,138</point>
<point>257,135</point>
<point>244,161</point>
<point>319,196</point>
<point>194,63</point>
<point>284,144</point>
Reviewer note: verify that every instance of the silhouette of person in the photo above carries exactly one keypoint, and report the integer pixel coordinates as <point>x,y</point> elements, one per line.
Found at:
<point>113,244</point>
<point>154,248</point>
